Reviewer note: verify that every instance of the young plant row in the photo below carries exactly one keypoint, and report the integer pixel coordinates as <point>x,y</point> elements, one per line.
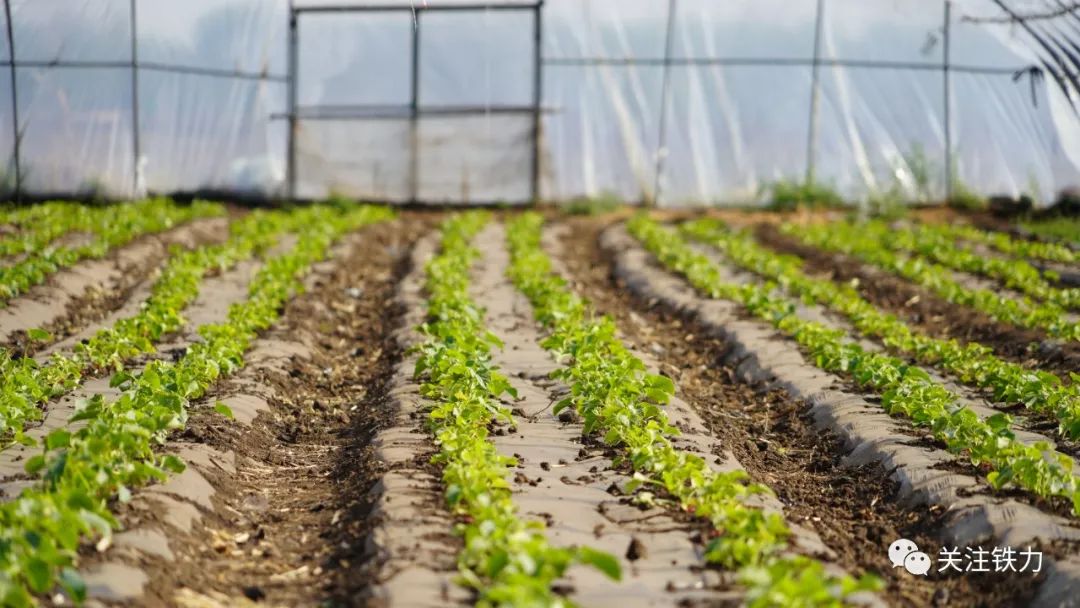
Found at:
<point>115,226</point>
<point>25,384</point>
<point>1021,248</point>
<point>1062,230</point>
<point>32,237</point>
<point>23,216</point>
<point>506,559</point>
<point>937,244</point>
<point>80,473</point>
<point>972,363</point>
<point>905,390</point>
<point>618,399</point>
<point>856,241</point>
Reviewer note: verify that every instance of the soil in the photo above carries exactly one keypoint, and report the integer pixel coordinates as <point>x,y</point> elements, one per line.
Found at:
<point>570,481</point>
<point>926,312</point>
<point>80,296</point>
<point>288,526</point>
<point>853,510</point>
<point>284,504</point>
<point>216,294</point>
<point>1030,427</point>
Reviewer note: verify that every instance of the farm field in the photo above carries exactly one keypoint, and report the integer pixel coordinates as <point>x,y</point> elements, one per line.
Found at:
<point>337,404</point>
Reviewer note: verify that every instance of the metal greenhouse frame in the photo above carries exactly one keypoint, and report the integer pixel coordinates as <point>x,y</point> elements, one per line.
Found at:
<point>414,110</point>
<point>134,65</point>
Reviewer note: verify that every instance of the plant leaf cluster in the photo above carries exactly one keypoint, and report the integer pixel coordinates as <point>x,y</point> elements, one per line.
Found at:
<point>857,241</point>
<point>936,242</point>
<point>50,221</point>
<point>25,384</point>
<point>80,474</point>
<point>971,363</point>
<point>906,390</point>
<point>619,400</point>
<point>112,226</point>
<point>506,560</point>
<point>1021,248</point>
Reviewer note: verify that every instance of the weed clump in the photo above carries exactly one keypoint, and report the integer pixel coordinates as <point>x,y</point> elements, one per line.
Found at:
<point>792,194</point>
<point>605,202</point>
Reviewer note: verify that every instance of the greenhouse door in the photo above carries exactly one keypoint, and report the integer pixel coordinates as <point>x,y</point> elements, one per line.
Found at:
<point>429,104</point>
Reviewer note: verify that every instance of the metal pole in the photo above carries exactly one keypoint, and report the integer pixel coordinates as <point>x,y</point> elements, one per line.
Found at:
<point>136,146</point>
<point>665,91</point>
<point>293,69</point>
<point>815,93</point>
<point>14,102</point>
<point>538,84</point>
<point>414,114</point>
<point>947,75</point>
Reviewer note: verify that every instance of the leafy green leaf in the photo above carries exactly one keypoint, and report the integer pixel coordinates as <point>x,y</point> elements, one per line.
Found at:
<point>223,409</point>
<point>602,561</point>
<point>119,379</point>
<point>38,335</point>
<point>35,464</point>
<point>59,438</point>
<point>38,574</point>
<point>562,405</point>
<point>172,463</point>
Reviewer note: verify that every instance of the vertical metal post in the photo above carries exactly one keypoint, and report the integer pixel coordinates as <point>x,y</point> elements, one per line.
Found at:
<point>947,76</point>
<point>293,69</point>
<point>136,146</point>
<point>14,102</point>
<point>414,113</point>
<point>665,92</point>
<point>538,98</point>
<point>815,94</point>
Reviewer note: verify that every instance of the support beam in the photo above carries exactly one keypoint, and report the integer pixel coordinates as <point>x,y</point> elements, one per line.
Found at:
<point>538,99</point>
<point>136,144</point>
<point>947,76</point>
<point>414,114</point>
<point>815,95</point>
<point>293,58</point>
<point>665,93</point>
<point>16,135</point>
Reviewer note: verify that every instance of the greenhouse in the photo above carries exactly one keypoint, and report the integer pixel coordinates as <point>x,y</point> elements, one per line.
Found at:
<point>678,102</point>
<point>540,304</point>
